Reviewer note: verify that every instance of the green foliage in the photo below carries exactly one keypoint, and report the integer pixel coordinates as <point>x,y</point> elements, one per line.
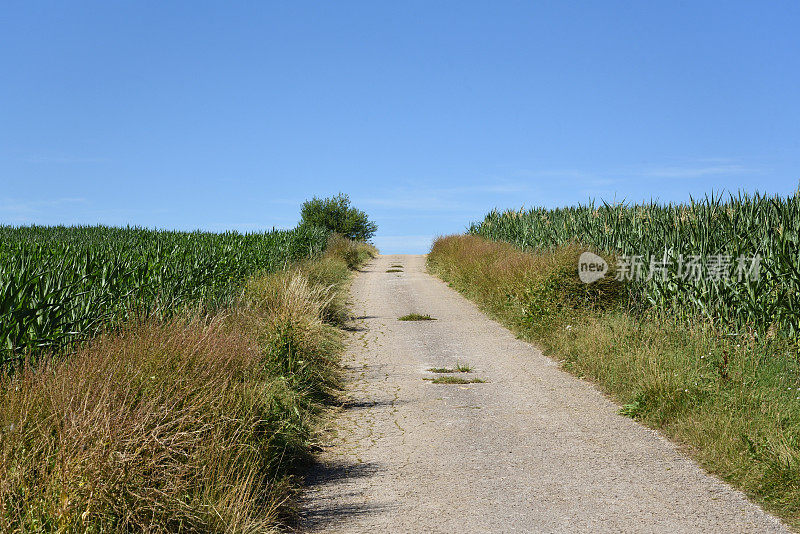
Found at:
<point>59,285</point>
<point>336,214</point>
<point>742,226</point>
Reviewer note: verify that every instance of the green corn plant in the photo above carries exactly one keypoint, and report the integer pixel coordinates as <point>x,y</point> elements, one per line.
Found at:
<point>62,285</point>
<point>740,225</point>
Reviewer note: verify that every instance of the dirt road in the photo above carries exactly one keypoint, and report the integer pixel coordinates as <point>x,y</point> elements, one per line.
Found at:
<point>531,450</point>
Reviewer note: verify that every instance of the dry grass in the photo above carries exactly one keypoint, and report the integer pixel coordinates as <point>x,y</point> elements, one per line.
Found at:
<point>139,431</point>
<point>733,402</point>
<point>354,253</point>
<point>193,425</point>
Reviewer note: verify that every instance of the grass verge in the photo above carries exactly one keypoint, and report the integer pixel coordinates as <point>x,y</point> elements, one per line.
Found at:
<point>197,424</point>
<point>733,402</point>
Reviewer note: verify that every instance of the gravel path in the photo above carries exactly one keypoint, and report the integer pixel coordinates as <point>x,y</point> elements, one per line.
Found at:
<point>531,450</point>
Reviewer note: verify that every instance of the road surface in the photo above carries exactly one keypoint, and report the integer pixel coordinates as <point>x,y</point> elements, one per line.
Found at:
<point>533,449</point>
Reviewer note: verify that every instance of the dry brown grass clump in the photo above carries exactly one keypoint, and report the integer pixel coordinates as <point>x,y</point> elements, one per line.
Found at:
<point>139,431</point>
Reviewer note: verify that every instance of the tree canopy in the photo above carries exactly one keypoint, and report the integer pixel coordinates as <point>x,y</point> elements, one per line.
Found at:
<point>336,214</point>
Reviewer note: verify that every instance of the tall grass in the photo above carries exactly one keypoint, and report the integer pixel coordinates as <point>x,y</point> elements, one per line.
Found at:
<point>178,425</point>
<point>59,285</point>
<point>741,226</point>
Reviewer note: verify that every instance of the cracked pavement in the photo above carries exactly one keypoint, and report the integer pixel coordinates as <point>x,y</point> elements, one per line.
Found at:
<point>533,449</point>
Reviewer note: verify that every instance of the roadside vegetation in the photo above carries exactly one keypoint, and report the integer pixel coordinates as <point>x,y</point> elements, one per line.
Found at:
<point>196,420</point>
<point>722,381</point>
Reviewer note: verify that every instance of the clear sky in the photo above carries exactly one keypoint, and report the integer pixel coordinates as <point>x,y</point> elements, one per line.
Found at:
<point>227,115</point>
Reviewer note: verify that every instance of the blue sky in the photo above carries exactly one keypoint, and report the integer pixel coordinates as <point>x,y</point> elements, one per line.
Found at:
<point>227,115</point>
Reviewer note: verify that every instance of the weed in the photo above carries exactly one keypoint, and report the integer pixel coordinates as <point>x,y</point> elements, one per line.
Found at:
<point>633,409</point>
<point>463,367</point>
<point>449,379</point>
<point>416,317</point>
<point>459,368</point>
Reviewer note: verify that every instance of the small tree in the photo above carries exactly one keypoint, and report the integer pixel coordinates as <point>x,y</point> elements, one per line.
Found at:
<point>336,214</point>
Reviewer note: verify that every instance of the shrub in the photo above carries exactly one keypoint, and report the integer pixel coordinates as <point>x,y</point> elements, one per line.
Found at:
<point>336,214</point>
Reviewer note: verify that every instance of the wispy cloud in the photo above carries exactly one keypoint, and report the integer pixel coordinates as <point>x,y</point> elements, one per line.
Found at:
<point>556,173</point>
<point>502,187</point>
<point>63,159</point>
<point>421,201</point>
<point>49,158</point>
<point>694,168</point>
<point>455,198</point>
<point>698,171</point>
<point>8,205</point>
<point>15,211</point>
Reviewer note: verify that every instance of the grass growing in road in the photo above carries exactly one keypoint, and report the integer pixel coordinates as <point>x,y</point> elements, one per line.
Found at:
<point>394,270</point>
<point>459,368</point>
<point>416,317</point>
<point>733,401</point>
<point>450,379</point>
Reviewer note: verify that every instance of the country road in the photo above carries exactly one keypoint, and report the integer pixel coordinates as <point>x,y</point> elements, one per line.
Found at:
<point>533,449</point>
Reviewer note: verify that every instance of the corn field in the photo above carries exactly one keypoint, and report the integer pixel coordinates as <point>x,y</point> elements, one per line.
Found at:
<point>748,248</point>
<point>60,285</point>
